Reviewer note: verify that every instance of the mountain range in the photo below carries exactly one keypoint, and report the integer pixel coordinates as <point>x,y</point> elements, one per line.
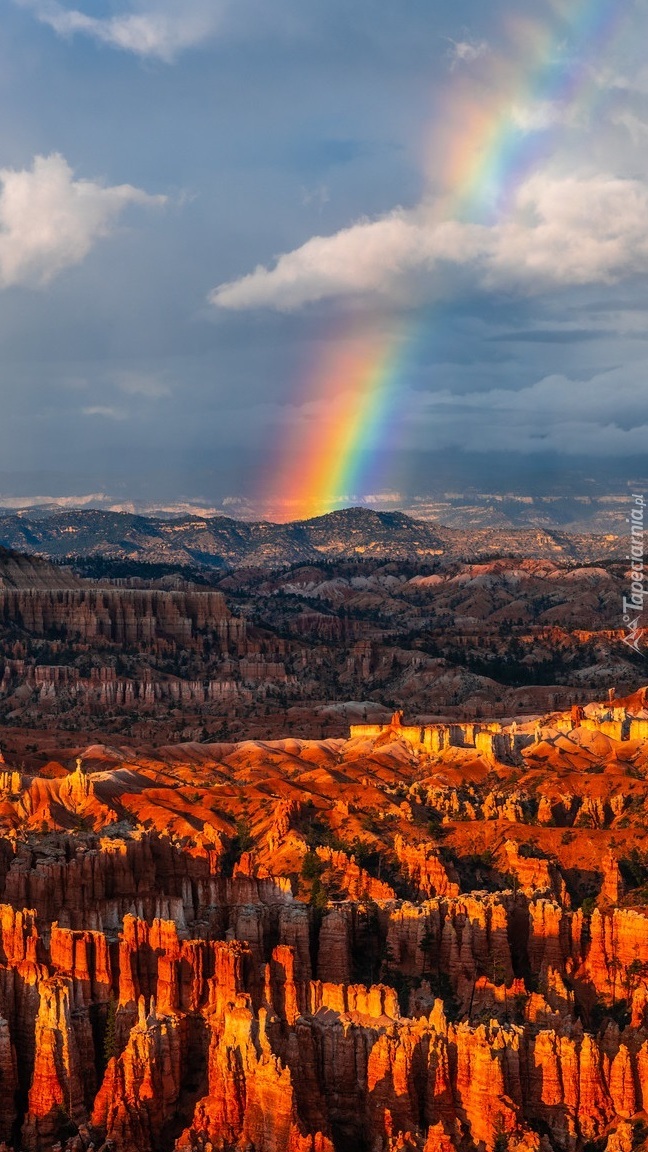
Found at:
<point>222,543</point>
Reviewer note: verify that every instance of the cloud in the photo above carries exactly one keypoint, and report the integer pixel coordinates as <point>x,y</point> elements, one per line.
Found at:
<point>606,415</point>
<point>160,30</point>
<point>319,196</point>
<point>49,221</point>
<point>636,127</point>
<point>466,51</point>
<point>105,411</point>
<point>142,384</point>
<point>561,231</point>
<point>537,115</point>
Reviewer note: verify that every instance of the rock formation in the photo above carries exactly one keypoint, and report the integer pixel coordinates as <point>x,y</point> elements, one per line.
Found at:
<point>318,946</point>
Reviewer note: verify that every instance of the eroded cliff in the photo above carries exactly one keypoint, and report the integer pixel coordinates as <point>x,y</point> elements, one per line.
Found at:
<point>320,946</point>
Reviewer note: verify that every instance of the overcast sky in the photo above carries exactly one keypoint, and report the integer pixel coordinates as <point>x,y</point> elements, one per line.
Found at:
<point>199,200</point>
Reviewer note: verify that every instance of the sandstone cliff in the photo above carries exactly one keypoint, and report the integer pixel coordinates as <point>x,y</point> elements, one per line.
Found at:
<point>323,946</point>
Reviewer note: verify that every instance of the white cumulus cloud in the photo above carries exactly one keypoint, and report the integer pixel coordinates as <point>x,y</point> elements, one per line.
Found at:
<point>49,221</point>
<point>560,231</point>
<point>159,29</point>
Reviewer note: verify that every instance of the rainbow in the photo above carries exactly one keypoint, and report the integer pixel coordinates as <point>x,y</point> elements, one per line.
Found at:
<point>335,434</point>
<point>347,405</point>
<point>479,130</point>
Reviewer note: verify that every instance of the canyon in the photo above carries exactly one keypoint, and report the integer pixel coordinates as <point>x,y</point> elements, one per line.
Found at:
<point>344,853</point>
<point>418,936</point>
<point>305,649</point>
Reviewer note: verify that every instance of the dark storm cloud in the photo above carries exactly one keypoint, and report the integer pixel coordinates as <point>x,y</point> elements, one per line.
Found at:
<point>211,146</point>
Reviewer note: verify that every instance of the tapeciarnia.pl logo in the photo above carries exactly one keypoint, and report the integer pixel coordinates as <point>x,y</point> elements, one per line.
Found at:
<point>634,603</point>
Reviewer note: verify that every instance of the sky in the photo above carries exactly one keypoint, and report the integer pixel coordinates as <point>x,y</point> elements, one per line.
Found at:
<point>285,257</point>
